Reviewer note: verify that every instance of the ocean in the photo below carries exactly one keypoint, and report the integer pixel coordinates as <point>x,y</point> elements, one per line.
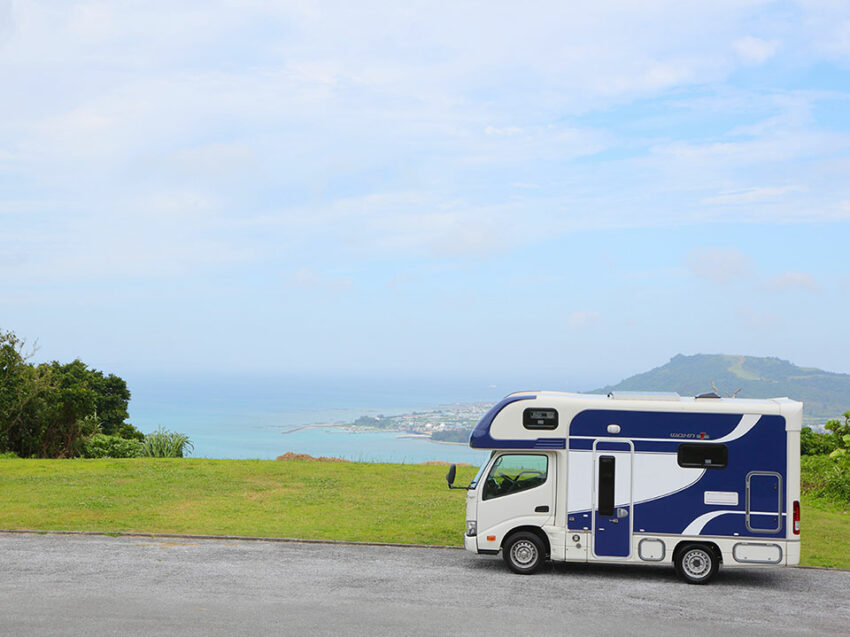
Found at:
<point>264,417</point>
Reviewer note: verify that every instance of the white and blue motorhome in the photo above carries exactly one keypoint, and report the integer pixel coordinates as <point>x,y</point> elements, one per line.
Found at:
<point>639,479</point>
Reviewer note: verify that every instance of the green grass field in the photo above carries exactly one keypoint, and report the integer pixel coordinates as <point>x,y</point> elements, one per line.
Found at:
<point>296,499</point>
<point>825,529</point>
<point>299,499</point>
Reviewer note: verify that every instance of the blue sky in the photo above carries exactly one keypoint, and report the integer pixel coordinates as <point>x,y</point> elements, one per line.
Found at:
<point>543,193</point>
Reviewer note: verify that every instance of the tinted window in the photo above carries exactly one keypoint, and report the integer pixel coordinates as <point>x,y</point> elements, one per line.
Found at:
<point>703,456</point>
<point>606,486</point>
<point>540,418</point>
<point>513,473</point>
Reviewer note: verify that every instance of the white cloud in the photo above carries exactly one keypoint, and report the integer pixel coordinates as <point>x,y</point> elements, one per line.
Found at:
<point>755,50</point>
<point>306,277</point>
<point>758,320</point>
<point>752,195</point>
<point>794,281</point>
<point>827,25</point>
<point>581,319</point>
<point>224,127</point>
<point>506,131</point>
<point>722,266</point>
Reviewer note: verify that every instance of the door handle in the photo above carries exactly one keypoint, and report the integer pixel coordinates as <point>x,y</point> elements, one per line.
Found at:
<point>542,509</point>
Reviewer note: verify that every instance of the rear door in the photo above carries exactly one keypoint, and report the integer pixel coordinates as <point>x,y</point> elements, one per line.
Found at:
<point>764,502</point>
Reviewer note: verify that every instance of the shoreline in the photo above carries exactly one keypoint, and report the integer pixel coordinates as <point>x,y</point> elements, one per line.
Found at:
<point>448,442</point>
<point>303,427</point>
<point>401,434</point>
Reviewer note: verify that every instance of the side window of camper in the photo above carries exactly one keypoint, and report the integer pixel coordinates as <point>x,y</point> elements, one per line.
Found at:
<point>703,456</point>
<point>512,473</point>
<point>540,418</point>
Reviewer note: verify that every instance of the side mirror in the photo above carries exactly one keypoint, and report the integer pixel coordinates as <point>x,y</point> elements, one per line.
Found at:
<point>450,476</point>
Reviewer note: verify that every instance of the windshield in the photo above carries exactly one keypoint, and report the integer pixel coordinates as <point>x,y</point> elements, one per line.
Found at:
<point>478,475</point>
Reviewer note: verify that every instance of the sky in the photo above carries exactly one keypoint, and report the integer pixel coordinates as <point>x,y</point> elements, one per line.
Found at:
<point>543,192</point>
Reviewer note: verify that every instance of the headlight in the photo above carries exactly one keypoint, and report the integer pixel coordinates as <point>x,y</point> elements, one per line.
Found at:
<point>471,528</point>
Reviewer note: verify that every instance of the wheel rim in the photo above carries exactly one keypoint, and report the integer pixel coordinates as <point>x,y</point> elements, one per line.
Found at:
<point>696,563</point>
<point>523,553</point>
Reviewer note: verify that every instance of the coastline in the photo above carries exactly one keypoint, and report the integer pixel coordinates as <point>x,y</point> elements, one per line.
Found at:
<point>415,436</point>
<point>303,427</point>
<point>403,435</point>
<point>448,442</point>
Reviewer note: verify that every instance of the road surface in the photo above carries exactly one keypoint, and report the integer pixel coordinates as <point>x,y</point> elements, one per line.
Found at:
<point>93,585</point>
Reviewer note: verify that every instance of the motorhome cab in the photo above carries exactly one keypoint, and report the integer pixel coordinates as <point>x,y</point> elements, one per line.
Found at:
<point>638,479</point>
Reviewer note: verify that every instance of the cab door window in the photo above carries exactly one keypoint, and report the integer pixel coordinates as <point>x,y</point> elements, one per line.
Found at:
<point>512,473</point>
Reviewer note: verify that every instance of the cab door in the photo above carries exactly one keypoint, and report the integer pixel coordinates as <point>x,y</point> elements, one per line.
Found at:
<point>612,498</point>
<point>519,489</point>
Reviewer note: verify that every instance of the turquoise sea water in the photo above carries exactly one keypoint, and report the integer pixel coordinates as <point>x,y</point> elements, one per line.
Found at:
<point>250,417</point>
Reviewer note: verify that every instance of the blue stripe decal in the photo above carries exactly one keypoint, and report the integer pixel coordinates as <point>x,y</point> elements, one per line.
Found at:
<point>649,424</point>
<point>763,449</point>
<point>550,443</point>
<point>481,438</point>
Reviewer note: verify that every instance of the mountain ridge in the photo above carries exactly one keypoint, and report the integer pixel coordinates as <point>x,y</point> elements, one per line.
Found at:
<point>824,394</point>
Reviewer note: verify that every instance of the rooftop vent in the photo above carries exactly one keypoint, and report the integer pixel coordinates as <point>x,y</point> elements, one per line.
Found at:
<point>710,394</point>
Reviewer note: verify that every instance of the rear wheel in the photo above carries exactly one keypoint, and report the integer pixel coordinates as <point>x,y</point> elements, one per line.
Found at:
<point>696,563</point>
<point>523,553</point>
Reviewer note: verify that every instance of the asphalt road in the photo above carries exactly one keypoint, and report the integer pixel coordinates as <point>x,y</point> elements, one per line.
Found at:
<point>76,585</point>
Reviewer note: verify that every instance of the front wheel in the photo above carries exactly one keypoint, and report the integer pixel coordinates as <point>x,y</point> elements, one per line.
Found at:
<point>696,564</point>
<point>523,553</point>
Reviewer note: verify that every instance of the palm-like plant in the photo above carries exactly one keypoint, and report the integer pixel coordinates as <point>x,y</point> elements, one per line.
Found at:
<point>166,444</point>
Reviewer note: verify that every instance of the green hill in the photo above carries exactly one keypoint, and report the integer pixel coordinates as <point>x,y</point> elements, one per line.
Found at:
<point>825,394</point>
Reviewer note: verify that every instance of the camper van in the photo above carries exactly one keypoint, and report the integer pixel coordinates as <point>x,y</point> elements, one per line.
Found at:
<point>637,478</point>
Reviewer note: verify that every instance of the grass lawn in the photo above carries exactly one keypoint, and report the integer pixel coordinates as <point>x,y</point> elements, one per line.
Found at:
<point>298,499</point>
<point>825,529</point>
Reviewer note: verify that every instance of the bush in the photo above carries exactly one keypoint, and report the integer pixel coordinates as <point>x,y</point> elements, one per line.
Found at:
<point>103,446</point>
<point>827,478</point>
<point>8,454</point>
<point>816,444</point>
<point>841,434</point>
<point>166,444</point>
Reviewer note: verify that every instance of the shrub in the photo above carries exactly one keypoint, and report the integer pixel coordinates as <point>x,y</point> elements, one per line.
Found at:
<point>8,454</point>
<point>841,435</point>
<point>103,446</point>
<point>816,444</point>
<point>166,444</point>
<point>827,478</point>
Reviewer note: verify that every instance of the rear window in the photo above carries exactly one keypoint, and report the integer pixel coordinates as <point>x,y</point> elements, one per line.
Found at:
<point>703,456</point>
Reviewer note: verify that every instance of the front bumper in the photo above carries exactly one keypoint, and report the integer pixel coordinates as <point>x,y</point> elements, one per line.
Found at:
<point>470,543</point>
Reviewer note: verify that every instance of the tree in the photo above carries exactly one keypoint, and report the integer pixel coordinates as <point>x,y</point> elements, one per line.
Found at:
<point>50,410</point>
<point>815,444</point>
<point>20,386</point>
<point>110,394</point>
<point>840,434</point>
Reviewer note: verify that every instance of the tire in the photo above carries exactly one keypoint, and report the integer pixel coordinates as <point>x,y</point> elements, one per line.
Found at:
<point>696,563</point>
<point>523,552</point>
